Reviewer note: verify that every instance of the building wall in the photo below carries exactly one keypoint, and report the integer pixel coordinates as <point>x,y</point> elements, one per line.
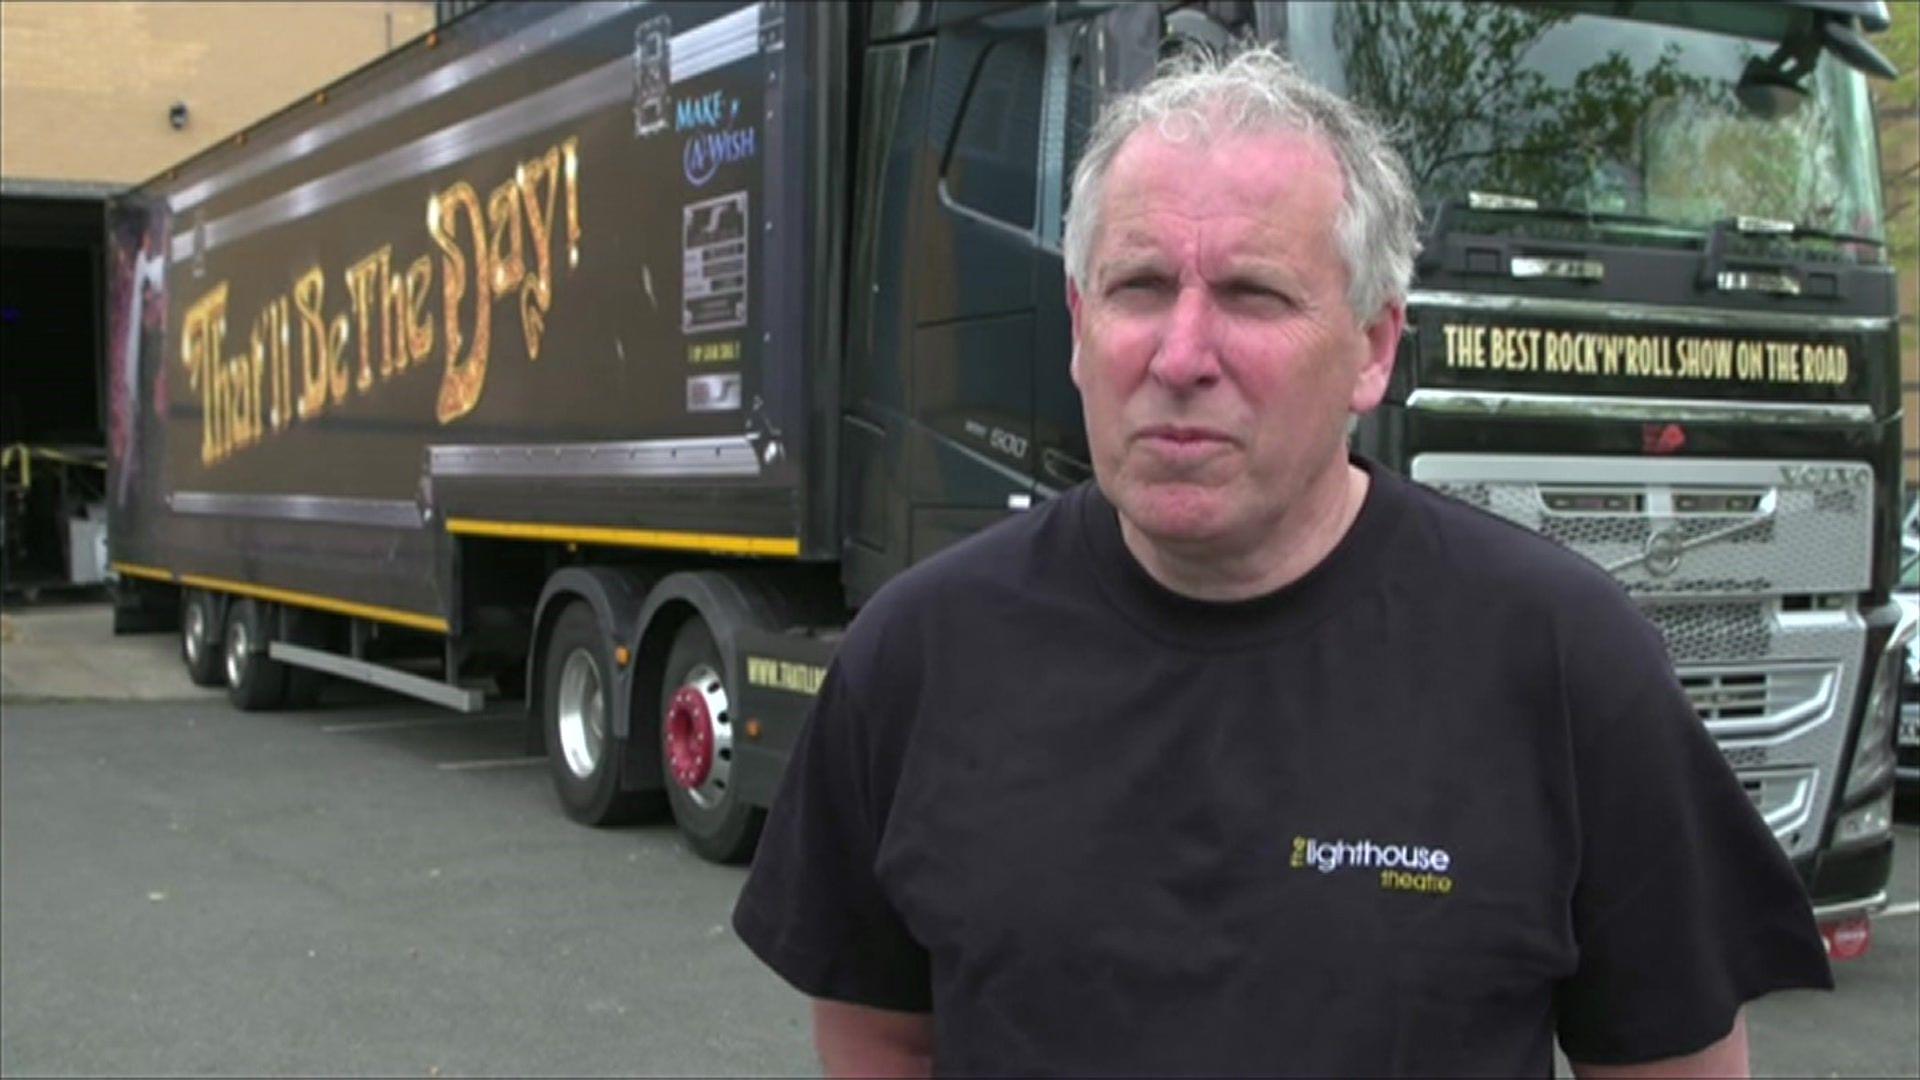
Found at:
<point>1897,104</point>
<point>85,87</point>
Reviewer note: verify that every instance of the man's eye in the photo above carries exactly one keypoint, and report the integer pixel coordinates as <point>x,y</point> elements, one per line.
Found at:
<point>1139,285</point>
<point>1256,296</point>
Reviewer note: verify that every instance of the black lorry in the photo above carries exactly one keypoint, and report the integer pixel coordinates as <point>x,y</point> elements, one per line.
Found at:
<point>612,354</point>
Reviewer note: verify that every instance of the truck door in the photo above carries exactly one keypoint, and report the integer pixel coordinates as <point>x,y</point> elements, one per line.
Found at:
<point>971,453</point>
<point>874,417</point>
<point>938,423</point>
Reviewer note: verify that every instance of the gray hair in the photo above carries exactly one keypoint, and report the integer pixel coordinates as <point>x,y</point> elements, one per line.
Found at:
<point>1255,90</point>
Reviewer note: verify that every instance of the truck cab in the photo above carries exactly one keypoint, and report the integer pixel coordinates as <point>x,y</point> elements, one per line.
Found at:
<point>1653,320</point>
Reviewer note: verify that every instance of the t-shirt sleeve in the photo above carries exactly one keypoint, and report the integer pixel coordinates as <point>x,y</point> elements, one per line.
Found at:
<point>813,908</point>
<point>1685,906</point>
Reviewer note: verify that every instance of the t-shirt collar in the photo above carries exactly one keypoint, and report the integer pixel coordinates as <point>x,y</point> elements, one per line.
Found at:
<point>1350,571</point>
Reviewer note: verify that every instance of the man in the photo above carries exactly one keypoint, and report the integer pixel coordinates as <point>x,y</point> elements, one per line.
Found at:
<point>1251,757</point>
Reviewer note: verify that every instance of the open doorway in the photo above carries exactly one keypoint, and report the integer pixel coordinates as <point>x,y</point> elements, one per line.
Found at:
<point>52,420</point>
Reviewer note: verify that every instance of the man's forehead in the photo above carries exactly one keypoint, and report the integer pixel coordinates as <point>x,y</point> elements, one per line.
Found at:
<point>1246,190</point>
<point>1248,163</point>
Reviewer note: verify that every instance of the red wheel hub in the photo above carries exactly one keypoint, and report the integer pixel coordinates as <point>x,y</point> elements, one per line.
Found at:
<point>689,738</point>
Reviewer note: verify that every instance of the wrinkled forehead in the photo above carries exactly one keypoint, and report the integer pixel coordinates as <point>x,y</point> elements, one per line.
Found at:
<point>1287,180</point>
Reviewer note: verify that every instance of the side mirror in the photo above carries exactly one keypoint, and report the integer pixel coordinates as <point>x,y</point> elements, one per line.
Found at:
<point>1852,48</point>
<point>1771,87</point>
<point>1768,92</point>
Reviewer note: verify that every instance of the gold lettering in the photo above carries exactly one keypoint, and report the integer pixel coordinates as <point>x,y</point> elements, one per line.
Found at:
<point>364,283</point>
<point>258,348</point>
<point>239,408</point>
<point>221,389</point>
<point>536,293</point>
<point>200,335</point>
<point>393,324</point>
<point>338,377</point>
<point>464,380</point>
<point>419,323</point>
<point>282,331</point>
<point>503,222</point>
<point>262,388</point>
<point>308,292</point>
<point>570,152</point>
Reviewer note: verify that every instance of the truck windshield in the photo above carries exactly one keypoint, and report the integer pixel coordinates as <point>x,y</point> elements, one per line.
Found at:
<point>1597,114</point>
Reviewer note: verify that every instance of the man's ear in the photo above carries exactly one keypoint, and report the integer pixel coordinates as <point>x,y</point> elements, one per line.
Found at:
<point>1383,343</point>
<point>1073,318</point>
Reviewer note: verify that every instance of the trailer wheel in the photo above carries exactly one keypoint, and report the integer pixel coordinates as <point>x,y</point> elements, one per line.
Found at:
<point>200,638</point>
<point>583,751</point>
<point>254,682</point>
<point>696,751</point>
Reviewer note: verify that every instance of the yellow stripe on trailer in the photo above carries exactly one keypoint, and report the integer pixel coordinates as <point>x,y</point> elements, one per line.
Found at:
<point>127,569</point>
<point>409,619</point>
<point>716,543</point>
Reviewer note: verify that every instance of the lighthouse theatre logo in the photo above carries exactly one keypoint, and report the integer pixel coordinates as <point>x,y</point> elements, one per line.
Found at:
<point>1402,867</point>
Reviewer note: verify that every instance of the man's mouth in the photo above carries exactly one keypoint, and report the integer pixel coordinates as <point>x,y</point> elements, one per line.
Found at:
<point>1181,435</point>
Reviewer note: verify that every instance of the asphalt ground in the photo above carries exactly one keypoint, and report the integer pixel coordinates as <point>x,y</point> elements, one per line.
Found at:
<point>380,887</point>
<point>373,888</point>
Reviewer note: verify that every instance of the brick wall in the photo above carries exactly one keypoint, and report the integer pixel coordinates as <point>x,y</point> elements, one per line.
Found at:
<point>85,88</point>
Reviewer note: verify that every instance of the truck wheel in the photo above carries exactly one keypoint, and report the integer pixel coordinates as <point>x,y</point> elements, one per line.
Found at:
<point>696,751</point>
<point>254,682</point>
<point>582,750</point>
<point>200,638</point>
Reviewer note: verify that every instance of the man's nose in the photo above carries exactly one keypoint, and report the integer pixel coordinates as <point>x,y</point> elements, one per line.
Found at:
<point>1186,359</point>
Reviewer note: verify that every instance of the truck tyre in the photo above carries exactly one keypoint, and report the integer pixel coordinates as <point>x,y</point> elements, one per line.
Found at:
<point>696,751</point>
<point>582,750</point>
<point>254,682</point>
<point>200,638</point>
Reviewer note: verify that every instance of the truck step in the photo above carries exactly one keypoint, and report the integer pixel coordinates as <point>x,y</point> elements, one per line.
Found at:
<point>404,682</point>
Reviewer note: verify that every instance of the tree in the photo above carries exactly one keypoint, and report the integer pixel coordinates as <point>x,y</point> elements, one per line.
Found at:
<point>1475,113</point>
<point>1511,98</point>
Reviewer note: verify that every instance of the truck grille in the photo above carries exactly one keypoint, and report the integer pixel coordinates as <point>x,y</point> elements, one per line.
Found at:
<point>1785,801</point>
<point>1697,633</point>
<point>1751,571</point>
<point>1723,697</point>
<point>1675,529</point>
<point>1746,704</point>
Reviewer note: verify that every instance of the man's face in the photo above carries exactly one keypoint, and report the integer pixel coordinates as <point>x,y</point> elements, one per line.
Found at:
<point>1215,352</point>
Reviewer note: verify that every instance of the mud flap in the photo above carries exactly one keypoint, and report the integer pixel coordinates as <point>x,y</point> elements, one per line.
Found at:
<point>145,607</point>
<point>779,675</point>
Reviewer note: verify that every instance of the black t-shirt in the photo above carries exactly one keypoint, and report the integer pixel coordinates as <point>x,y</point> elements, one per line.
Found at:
<point>1414,813</point>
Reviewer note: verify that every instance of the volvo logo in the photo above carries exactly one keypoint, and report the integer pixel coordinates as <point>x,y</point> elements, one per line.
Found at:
<point>1663,552</point>
<point>1819,476</point>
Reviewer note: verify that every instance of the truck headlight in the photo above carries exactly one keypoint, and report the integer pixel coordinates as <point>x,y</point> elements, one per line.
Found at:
<point>1865,823</point>
<point>1874,753</point>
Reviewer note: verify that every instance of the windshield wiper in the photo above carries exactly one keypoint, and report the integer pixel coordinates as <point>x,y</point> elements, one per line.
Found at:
<point>1747,225</point>
<point>1778,280</point>
<point>1522,204</point>
<point>1448,211</point>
